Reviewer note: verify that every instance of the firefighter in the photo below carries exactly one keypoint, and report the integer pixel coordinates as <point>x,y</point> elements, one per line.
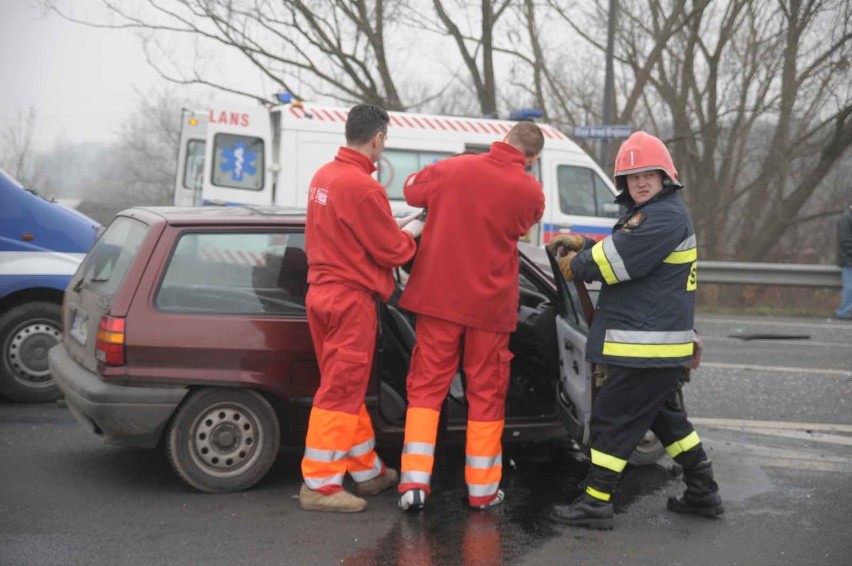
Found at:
<point>642,332</point>
<point>353,243</point>
<point>464,289</point>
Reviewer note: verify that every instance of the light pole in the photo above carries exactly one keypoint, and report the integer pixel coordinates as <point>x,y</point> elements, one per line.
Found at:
<point>609,80</point>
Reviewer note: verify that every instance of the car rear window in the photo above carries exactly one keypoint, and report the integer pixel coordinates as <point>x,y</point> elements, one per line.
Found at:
<point>109,259</point>
<point>236,273</point>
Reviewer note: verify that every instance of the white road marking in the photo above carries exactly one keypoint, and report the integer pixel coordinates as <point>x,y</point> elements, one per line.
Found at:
<point>785,425</point>
<point>818,371</point>
<point>773,341</point>
<point>792,325</point>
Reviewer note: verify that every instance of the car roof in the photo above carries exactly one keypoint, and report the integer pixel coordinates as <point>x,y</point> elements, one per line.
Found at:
<point>216,215</point>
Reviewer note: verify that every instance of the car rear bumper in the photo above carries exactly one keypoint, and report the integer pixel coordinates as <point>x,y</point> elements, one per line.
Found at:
<point>121,414</point>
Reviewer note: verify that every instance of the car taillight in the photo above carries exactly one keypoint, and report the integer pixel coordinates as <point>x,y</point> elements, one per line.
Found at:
<point>109,347</point>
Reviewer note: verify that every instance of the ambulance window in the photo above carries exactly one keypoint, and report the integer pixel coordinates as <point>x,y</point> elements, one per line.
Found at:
<point>194,164</point>
<point>238,162</point>
<point>396,165</point>
<point>582,192</point>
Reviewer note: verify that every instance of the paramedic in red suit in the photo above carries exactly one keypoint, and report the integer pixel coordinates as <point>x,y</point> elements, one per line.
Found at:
<point>353,243</point>
<point>464,289</point>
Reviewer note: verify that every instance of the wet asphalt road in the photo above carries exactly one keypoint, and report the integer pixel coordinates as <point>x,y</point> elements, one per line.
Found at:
<point>776,416</point>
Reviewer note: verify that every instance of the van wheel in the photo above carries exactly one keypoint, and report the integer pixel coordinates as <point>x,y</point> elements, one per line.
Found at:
<point>27,332</point>
<point>648,452</point>
<point>223,440</point>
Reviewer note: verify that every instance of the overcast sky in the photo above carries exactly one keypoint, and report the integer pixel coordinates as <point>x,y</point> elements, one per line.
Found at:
<point>80,80</point>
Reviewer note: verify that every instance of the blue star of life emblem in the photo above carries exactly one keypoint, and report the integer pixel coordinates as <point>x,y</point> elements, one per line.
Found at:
<point>239,161</point>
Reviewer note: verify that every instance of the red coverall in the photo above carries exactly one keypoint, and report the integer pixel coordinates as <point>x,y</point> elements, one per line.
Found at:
<point>464,289</point>
<point>352,243</point>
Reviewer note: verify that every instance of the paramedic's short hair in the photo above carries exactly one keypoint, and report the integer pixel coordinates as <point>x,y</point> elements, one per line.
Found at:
<point>527,137</point>
<point>364,122</point>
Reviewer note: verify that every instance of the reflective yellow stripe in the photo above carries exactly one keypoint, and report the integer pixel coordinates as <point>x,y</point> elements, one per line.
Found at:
<point>607,461</point>
<point>686,256</point>
<point>598,494</point>
<point>603,263</point>
<point>647,350</point>
<point>688,442</point>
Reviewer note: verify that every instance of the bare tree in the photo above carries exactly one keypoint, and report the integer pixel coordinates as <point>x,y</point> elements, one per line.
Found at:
<point>18,157</point>
<point>753,97</point>
<point>339,48</point>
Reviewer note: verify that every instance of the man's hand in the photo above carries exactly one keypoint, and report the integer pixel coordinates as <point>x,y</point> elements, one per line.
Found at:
<point>564,263</point>
<point>565,243</point>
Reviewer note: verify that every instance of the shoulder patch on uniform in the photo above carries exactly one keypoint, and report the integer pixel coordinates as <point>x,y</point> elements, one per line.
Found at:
<point>634,221</point>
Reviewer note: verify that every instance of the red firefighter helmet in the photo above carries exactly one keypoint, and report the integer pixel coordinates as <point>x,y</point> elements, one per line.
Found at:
<point>644,152</point>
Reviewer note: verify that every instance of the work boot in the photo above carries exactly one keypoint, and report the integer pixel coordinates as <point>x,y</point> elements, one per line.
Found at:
<point>585,511</point>
<point>412,500</point>
<point>702,493</point>
<point>339,502</point>
<point>498,499</point>
<point>594,509</point>
<point>378,484</point>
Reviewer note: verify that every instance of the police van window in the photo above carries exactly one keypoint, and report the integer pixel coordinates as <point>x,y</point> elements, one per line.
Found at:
<point>238,162</point>
<point>583,192</point>
<point>236,273</point>
<point>396,165</point>
<point>194,164</point>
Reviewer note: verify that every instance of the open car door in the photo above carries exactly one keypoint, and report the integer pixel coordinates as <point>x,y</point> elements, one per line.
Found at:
<point>574,391</point>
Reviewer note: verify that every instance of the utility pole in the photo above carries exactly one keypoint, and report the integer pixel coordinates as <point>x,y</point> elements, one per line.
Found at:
<point>609,81</point>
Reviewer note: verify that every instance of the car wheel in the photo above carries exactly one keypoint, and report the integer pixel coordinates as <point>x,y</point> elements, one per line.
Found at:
<point>223,440</point>
<point>27,332</point>
<point>648,452</point>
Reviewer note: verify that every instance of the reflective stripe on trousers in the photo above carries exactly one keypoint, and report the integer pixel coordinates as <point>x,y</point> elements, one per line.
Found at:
<point>484,462</point>
<point>338,443</point>
<point>418,450</point>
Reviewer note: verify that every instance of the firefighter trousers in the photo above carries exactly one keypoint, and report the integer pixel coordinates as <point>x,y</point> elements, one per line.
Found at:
<point>632,401</point>
<point>340,437</point>
<point>434,363</point>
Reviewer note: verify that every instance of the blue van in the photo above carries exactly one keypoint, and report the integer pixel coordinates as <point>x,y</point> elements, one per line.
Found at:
<point>41,245</point>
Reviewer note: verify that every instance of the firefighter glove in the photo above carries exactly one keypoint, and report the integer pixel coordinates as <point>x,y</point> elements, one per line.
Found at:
<point>564,263</point>
<point>561,245</point>
<point>415,228</point>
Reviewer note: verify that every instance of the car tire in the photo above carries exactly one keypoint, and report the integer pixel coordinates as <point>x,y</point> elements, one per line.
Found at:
<point>648,452</point>
<point>27,332</point>
<point>223,440</point>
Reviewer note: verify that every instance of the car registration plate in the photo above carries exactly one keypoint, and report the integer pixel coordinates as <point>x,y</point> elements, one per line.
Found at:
<point>79,327</point>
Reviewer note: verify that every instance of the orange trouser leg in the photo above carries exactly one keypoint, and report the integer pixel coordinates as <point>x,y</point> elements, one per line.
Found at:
<point>343,329</point>
<point>434,362</point>
<point>486,364</point>
<point>362,462</point>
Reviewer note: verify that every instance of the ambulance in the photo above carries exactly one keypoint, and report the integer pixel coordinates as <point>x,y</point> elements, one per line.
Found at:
<point>262,155</point>
<point>41,245</point>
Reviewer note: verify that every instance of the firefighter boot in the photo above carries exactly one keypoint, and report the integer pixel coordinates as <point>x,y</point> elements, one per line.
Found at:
<point>702,493</point>
<point>593,509</point>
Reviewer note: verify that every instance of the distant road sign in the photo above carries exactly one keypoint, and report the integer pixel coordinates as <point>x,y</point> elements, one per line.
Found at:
<point>603,132</point>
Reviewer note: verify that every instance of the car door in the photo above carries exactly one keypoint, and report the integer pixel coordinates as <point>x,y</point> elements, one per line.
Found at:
<point>575,388</point>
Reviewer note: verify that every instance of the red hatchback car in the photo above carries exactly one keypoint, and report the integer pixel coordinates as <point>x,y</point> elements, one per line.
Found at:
<point>187,327</point>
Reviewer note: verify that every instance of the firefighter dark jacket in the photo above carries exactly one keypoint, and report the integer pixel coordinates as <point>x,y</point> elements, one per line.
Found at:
<point>646,308</point>
<point>466,270</point>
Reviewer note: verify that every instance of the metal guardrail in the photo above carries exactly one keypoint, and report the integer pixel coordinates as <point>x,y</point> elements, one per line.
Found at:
<point>788,274</point>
